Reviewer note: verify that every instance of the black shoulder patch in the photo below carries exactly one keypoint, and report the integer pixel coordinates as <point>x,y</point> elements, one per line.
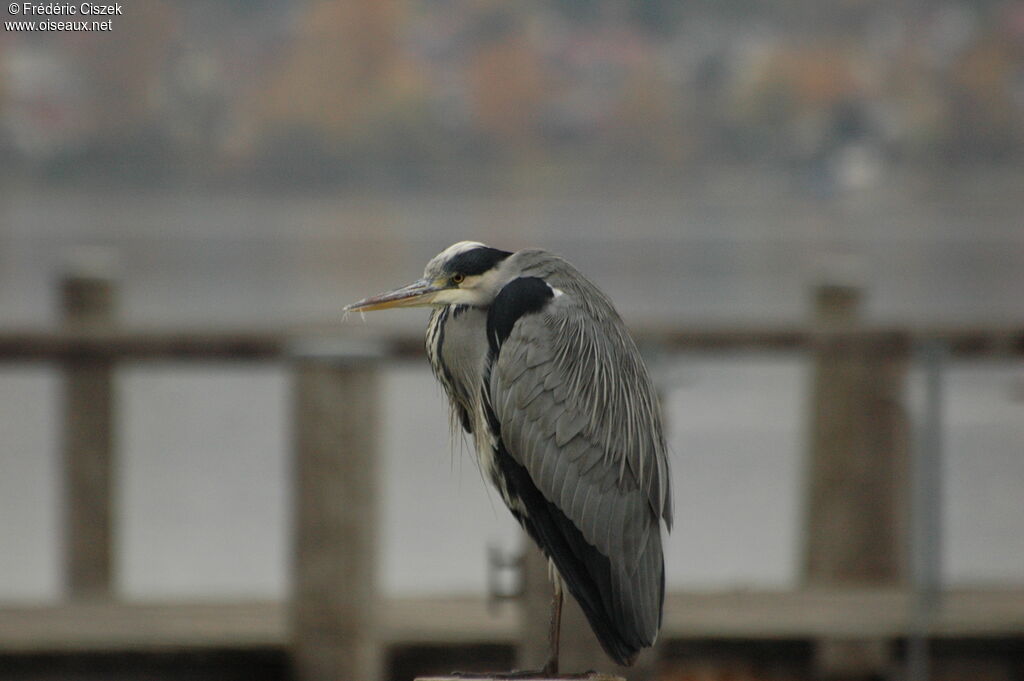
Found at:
<point>477,260</point>
<point>518,297</point>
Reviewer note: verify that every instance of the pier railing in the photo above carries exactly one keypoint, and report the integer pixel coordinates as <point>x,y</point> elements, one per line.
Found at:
<point>860,584</point>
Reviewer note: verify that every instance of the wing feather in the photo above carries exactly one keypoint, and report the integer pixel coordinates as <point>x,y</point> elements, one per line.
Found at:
<point>582,419</point>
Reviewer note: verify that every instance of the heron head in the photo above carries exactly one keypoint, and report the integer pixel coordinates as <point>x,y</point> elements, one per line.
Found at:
<point>466,273</point>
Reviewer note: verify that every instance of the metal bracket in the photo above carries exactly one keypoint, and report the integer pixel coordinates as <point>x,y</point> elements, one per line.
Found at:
<point>504,576</point>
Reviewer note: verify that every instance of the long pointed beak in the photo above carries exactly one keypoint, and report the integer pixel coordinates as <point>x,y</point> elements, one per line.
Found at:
<point>418,293</point>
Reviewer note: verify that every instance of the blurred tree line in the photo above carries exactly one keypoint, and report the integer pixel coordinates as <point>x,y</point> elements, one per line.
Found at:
<point>432,89</point>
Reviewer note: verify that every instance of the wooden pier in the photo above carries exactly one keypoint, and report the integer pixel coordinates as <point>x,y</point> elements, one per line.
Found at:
<point>855,608</point>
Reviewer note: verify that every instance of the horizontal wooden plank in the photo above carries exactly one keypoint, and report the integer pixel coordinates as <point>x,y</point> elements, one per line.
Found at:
<point>95,626</point>
<point>853,613</point>
<point>185,344</point>
<point>141,626</point>
<point>243,344</point>
<point>447,620</point>
<point>209,345</point>
<point>839,613</point>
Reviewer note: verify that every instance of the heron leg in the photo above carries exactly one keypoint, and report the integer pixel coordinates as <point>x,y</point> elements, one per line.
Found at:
<point>554,634</point>
<point>550,669</point>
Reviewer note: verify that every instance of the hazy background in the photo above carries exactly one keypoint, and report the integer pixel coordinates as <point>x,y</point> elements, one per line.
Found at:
<point>255,164</point>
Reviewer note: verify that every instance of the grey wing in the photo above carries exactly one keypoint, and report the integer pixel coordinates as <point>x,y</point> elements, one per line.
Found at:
<point>577,409</point>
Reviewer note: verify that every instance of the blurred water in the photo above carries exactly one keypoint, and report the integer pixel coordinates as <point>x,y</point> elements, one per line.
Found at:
<point>739,248</point>
<point>203,476</point>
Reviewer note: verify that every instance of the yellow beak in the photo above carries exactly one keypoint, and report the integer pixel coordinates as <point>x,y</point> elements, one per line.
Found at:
<point>417,294</point>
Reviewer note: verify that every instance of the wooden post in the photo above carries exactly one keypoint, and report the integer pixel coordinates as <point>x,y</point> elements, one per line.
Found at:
<point>87,303</point>
<point>335,599</point>
<point>857,509</point>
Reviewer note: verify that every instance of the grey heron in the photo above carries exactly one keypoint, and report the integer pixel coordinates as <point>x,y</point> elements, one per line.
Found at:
<point>540,369</point>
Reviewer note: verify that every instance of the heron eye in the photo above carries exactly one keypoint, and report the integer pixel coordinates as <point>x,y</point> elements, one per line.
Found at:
<point>458,278</point>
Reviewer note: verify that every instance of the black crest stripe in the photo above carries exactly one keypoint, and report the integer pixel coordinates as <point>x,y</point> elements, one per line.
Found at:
<point>477,260</point>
